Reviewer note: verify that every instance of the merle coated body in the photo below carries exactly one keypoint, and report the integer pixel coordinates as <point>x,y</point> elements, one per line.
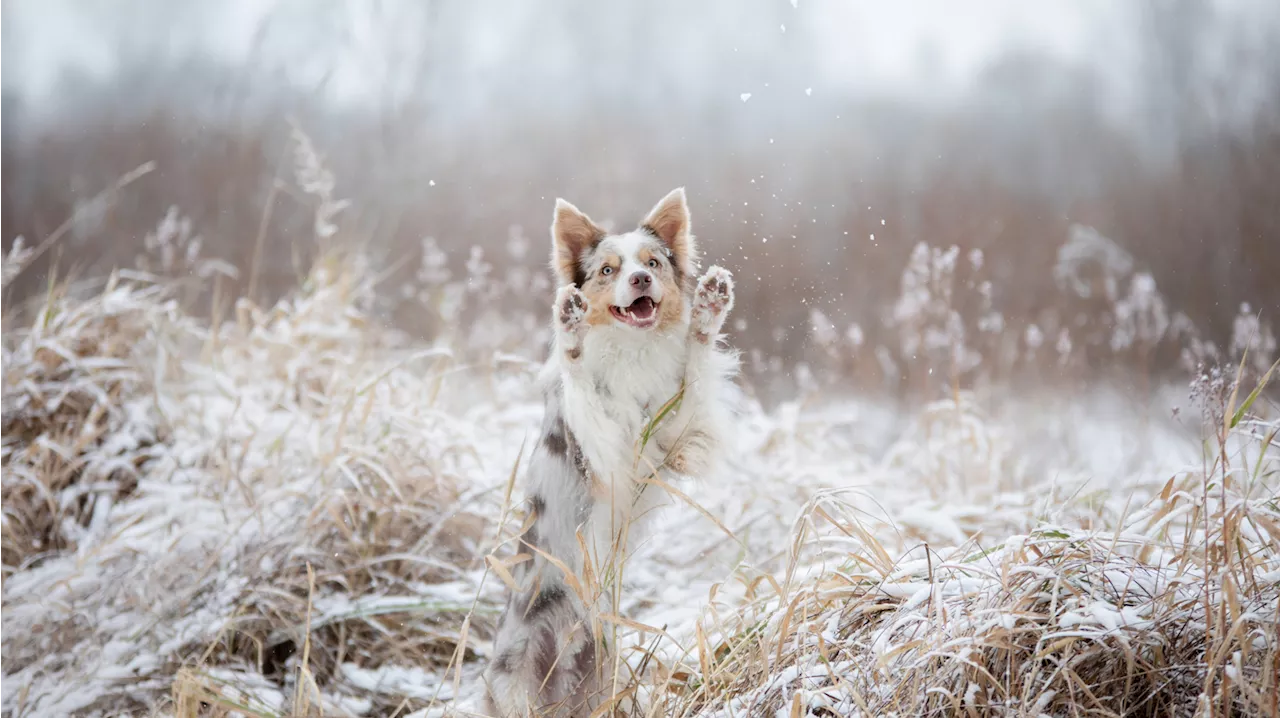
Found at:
<point>637,386</point>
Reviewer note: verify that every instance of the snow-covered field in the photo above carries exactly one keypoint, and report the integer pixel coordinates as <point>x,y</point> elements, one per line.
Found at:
<point>288,513</point>
<point>298,510</point>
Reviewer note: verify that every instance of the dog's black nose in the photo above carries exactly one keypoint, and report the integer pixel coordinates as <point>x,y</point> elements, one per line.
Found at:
<point>641,279</point>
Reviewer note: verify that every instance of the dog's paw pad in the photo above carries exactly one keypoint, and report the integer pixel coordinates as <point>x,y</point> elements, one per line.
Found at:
<point>571,319</point>
<point>715,290</point>
<point>571,308</point>
<point>711,302</point>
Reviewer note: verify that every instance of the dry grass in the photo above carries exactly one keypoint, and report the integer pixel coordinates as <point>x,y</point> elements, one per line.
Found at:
<point>1057,622</point>
<point>288,511</point>
<point>77,420</point>
<point>1168,609</point>
<point>238,499</point>
<point>288,515</point>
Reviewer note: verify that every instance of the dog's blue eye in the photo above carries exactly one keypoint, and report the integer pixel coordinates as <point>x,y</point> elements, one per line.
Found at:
<point>653,263</point>
<point>607,271</point>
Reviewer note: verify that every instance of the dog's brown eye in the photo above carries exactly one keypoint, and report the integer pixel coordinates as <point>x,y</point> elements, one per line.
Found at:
<point>653,263</point>
<point>606,271</point>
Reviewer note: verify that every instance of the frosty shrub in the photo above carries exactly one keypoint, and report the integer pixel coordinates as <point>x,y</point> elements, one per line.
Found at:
<point>315,179</point>
<point>831,356</point>
<point>930,328</point>
<point>173,251</point>
<point>1141,319</point>
<point>302,510</point>
<point>14,261</point>
<point>1252,340</point>
<point>79,415</point>
<point>1091,265</point>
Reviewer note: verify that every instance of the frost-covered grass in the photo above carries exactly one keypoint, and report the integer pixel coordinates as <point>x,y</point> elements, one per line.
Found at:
<point>288,513</point>
<point>297,510</point>
<point>178,501</point>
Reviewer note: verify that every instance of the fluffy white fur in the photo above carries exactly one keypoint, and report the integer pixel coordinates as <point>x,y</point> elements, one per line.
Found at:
<point>611,394</point>
<point>605,382</point>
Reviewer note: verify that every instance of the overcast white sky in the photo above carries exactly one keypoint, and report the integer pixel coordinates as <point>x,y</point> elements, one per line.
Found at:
<point>552,56</point>
<point>861,43</point>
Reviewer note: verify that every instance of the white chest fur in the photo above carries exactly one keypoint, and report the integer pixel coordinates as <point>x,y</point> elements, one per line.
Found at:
<point>621,385</point>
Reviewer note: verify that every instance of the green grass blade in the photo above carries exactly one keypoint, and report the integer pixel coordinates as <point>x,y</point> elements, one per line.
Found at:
<point>1253,395</point>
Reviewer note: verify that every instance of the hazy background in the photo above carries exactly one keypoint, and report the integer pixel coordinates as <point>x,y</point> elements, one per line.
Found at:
<point>819,141</point>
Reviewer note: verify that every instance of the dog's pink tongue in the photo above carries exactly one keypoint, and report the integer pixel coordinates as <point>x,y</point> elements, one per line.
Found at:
<point>641,308</point>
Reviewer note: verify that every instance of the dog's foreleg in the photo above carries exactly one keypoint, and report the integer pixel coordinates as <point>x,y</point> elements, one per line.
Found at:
<point>694,451</point>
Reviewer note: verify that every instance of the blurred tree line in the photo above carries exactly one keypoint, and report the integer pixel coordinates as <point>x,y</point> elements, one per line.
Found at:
<point>813,199</point>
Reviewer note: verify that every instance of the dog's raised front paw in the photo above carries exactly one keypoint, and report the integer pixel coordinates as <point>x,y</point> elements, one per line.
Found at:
<point>711,303</point>
<point>570,311</point>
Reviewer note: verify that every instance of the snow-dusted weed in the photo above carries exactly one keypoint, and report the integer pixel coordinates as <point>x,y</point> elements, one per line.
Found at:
<point>298,510</point>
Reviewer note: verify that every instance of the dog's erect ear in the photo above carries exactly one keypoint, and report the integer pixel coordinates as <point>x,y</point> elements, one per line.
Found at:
<point>572,234</point>
<point>669,222</point>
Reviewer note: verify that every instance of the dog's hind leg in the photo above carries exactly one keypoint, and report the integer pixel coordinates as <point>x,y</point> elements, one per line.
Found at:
<point>545,658</point>
<point>545,655</point>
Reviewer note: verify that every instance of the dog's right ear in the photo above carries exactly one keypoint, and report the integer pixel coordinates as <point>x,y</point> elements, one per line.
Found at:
<point>572,234</point>
<point>669,222</point>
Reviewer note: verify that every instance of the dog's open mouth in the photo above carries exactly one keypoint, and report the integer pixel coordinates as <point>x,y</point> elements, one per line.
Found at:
<point>642,313</point>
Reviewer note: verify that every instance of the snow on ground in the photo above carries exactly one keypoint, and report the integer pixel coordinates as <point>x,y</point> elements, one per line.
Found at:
<point>289,514</point>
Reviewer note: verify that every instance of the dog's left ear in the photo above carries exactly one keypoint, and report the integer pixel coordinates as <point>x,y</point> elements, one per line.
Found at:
<point>669,222</point>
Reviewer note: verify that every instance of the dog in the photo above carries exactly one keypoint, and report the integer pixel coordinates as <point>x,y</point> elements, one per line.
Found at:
<point>638,389</point>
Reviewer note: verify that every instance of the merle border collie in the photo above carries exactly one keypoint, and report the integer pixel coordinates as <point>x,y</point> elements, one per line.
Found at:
<point>638,390</point>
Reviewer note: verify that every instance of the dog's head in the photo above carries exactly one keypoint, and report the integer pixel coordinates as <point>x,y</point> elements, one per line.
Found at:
<point>642,279</point>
